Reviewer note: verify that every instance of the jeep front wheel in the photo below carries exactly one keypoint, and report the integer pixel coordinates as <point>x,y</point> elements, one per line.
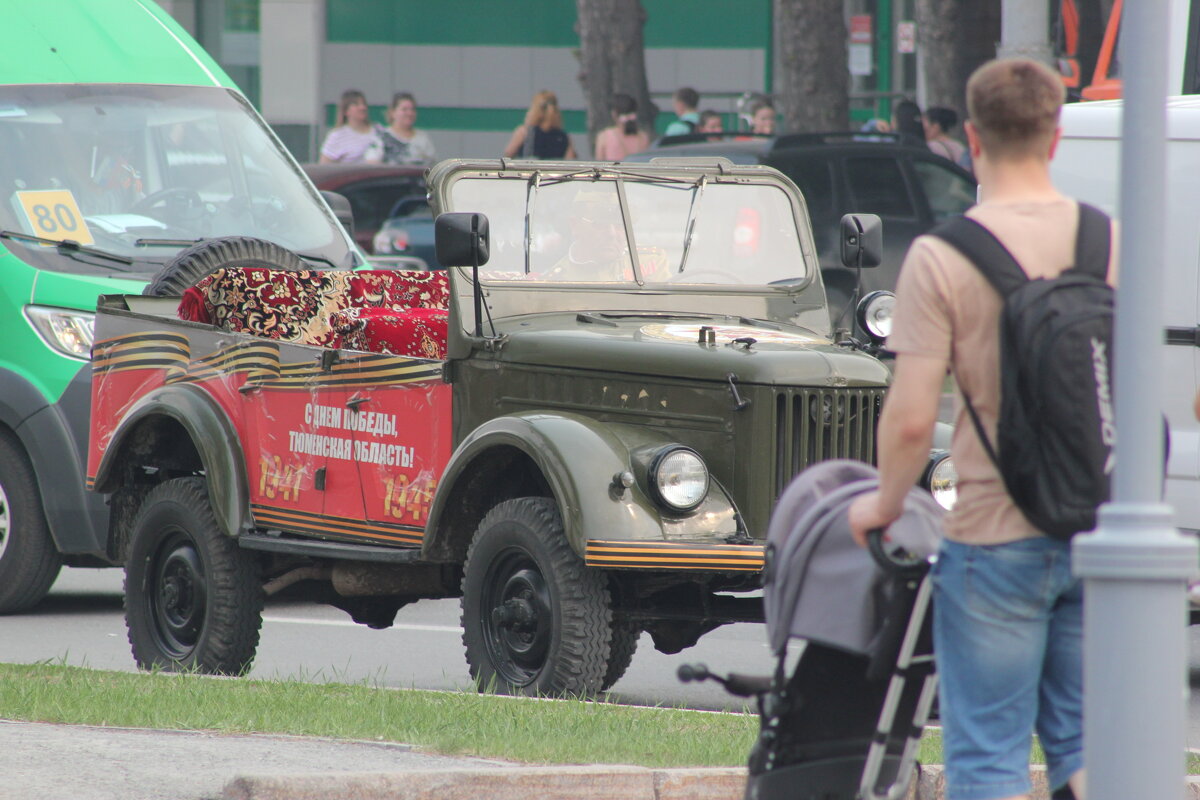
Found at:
<point>535,620</point>
<point>193,599</point>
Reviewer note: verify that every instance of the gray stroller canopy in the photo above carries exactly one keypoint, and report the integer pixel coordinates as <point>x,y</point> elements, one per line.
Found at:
<point>818,584</point>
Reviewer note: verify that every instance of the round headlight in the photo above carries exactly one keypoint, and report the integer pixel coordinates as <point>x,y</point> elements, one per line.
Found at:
<point>941,479</point>
<point>875,314</point>
<point>679,478</point>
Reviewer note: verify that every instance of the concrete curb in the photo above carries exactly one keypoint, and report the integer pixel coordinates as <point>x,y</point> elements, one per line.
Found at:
<point>553,783</point>
<point>544,783</point>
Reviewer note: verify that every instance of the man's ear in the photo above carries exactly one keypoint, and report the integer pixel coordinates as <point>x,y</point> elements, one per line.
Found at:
<point>1054,143</point>
<point>972,139</point>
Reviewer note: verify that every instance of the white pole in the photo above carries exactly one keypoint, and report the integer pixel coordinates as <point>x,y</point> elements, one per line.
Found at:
<point>1135,564</point>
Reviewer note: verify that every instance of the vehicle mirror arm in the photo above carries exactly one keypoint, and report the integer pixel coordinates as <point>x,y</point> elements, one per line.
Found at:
<point>477,289</point>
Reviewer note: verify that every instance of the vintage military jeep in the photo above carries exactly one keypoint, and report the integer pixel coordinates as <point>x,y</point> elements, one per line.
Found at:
<point>633,361</point>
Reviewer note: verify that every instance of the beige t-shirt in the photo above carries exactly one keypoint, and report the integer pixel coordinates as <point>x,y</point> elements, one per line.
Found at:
<point>946,309</point>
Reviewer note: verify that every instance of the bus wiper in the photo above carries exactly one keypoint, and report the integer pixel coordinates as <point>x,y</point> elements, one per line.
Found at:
<point>166,242</point>
<point>66,247</point>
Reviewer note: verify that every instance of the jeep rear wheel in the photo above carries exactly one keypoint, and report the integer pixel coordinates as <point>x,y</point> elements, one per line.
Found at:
<point>535,619</point>
<point>29,561</point>
<point>193,599</point>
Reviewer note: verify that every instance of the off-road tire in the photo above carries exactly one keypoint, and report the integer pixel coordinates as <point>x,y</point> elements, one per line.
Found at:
<point>201,260</point>
<point>520,563</point>
<point>29,561</point>
<point>193,598</point>
<point>621,649</point>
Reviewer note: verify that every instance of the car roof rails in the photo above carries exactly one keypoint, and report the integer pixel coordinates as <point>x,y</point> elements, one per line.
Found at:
<point>698,138</point>
<point>835,137</point>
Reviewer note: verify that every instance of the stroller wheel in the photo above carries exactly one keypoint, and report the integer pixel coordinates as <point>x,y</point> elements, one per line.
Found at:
<point>535,619</point>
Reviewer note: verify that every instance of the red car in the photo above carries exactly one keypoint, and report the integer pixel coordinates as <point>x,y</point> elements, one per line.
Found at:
<point>372,190</point>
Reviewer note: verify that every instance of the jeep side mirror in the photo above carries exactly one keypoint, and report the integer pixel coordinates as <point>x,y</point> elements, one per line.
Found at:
<point>862,240</point>
<point>341,210</point>
<point>461,239</point>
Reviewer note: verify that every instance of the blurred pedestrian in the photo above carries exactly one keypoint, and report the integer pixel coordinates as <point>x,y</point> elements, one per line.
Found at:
<point>623,137</point>
<point>762,117</point>
<point>938,123</point>
<point>541,135</point>
<point>400,142</point>
<point>908,122</point>
<point>685,101</point>
<point>352,134</point>
<point>711,122</point>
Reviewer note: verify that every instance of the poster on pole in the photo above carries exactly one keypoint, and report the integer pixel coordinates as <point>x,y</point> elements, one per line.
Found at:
<point>906,37</point>
<point>861,37</point>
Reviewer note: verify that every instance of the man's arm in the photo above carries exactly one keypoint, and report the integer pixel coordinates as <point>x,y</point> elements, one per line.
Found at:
<point>905,435</point>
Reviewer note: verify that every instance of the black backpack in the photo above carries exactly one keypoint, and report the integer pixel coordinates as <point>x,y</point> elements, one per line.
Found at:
<point>1056,432</point>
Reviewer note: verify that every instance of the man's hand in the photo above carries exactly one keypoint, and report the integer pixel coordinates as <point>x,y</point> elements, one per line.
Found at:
<point>866,514</point>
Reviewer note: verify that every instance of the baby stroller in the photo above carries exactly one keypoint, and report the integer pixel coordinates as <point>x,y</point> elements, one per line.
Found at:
<point>847,723</point>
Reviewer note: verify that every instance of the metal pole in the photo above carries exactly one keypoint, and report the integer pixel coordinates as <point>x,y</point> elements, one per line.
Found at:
<point>1136,563</point>
<point>1025,31</point>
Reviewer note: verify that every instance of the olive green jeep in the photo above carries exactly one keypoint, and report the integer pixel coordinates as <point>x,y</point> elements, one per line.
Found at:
<point>637,359</point>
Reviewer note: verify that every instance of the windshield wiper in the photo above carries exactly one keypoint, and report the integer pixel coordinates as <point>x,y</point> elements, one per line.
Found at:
<point>697,194</point>
<point>166,242</point>
<point>66,247</point>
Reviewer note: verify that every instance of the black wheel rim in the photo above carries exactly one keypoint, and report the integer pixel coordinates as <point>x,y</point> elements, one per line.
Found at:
<point>176,595</point>
<point>516,613</point>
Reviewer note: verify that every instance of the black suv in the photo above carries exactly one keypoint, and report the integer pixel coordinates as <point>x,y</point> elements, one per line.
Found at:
<point>909,187</point>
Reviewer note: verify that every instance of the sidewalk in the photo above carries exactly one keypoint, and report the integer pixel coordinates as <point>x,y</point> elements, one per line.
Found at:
<point>41,761</point>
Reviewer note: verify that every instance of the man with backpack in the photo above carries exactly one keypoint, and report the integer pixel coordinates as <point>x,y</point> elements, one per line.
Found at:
<point>1008,614</point>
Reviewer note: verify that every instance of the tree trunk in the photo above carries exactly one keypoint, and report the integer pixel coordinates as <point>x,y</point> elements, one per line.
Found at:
<point>812,76</point>
<point>613,59</point>
<point>954,39</point>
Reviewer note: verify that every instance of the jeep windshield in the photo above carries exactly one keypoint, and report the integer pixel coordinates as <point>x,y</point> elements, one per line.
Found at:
<point>651,231</point>
<point>139,172</point>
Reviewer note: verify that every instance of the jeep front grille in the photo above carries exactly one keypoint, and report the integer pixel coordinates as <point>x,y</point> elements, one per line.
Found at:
<point>817,424</point>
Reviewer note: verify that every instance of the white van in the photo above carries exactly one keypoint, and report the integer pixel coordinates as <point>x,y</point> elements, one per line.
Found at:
<point>1087,166</point>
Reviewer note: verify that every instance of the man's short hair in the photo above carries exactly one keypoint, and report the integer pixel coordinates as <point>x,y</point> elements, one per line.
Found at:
<point>944,118</point>
<point>688,96</point>
<point>1014,104</point>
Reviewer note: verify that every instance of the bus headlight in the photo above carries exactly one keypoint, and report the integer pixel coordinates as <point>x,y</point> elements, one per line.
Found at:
<point>66,330</point>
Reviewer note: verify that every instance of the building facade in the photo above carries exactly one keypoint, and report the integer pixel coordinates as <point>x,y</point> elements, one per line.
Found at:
<point>474,65</point>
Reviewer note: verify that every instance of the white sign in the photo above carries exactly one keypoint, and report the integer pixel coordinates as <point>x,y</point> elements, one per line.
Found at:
<point>906,37</point>
<point>860,59</point>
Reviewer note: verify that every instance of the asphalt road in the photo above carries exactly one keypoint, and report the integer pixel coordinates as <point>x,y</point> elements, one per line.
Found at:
<point>81,622</point>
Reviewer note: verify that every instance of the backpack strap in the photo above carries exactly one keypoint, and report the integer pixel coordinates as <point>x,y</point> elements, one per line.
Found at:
<point>981,247</point>
<point>1093,242</point>
<point>993,260</point>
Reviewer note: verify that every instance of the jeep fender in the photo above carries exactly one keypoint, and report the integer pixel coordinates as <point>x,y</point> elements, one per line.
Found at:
<point>213,436</point>
<point>578,458</point>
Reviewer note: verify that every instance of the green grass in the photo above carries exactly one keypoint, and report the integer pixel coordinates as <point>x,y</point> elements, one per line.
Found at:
<point>453,723</point>
<point>450,723</point>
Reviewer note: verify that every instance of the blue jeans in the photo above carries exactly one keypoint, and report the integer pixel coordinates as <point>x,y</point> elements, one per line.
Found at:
<point>1008,641</point>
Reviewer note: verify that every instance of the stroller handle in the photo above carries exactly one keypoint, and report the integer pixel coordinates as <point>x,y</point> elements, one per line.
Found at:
<point>734,683</point>
<point>898,562</point>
